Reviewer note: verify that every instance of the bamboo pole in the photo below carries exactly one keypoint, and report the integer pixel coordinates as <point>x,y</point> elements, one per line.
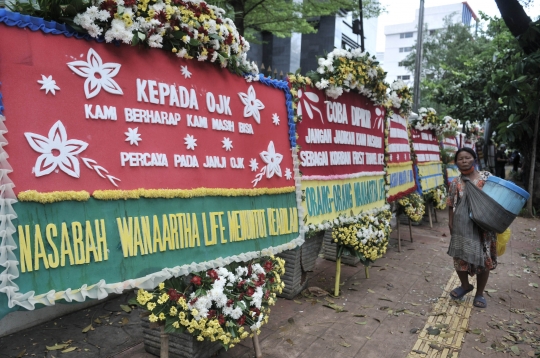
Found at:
<point>256,345</point>
<point>338,275</point>
<point>366,269</point>
<point>164,352</point>
<point>530,186</point>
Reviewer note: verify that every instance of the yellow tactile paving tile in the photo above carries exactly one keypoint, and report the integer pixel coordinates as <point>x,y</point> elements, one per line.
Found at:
<point>452,318</point>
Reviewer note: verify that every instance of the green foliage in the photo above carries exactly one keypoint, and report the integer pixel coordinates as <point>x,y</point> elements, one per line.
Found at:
<point>62,11</point>
<point>283,17</point>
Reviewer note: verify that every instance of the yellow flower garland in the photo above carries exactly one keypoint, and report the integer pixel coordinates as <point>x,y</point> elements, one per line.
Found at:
<point>53,197</point>
<point>56,196</point>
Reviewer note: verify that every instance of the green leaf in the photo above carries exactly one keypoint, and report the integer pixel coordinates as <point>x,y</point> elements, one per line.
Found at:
<point>194,42</point>
<point>125,308</point>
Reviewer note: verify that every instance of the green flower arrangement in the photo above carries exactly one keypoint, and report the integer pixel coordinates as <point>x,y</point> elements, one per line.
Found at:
<point>437,196</point>
<point>413,206</point>
<point>223,305</point>
<point>366,239</point>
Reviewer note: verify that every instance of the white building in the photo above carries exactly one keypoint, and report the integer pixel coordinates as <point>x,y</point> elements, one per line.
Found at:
<point>401,38</point>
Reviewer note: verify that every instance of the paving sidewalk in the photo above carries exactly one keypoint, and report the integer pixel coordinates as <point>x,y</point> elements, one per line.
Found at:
<point>384,316</point>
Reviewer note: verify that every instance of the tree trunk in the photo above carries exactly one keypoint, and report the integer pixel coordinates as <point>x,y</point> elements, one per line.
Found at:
<point>533,163</point>
<point>514,16</point>
<point>239,10</point>
<point>518,23</point>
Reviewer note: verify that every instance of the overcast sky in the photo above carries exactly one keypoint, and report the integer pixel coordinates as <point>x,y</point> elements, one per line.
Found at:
<point>403,11</point>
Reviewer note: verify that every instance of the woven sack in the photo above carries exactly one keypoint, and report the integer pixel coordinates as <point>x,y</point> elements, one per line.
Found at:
<point>485,211</point>
<point>465,242</point>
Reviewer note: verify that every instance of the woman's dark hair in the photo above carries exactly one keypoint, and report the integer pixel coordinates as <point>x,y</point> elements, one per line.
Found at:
<point>465,149</point>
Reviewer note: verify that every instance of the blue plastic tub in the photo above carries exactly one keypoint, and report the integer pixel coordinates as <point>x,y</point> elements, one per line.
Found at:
<point>507,194</point>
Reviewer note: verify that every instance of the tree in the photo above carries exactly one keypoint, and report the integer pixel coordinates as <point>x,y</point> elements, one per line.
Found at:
<point>283,17</point>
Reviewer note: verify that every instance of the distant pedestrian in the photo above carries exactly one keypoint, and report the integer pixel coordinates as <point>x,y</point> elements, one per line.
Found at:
<point>501,159</point>
<point>460,246</point>
<point>516,161</point>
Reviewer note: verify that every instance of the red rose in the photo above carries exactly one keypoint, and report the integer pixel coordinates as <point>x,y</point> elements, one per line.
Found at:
<point>272,280</point>
<point>229,302</point>
<point>250,270</point>
<point>211,314</point>
<point>193,301</point>
<point>250,291</point>
<point>241,284</point>
<point>241,320</point>
<point>241,297</point>
<point>212,274</point>
<point>196,280</point>
<point>256,310</point>
<point>174,295</point>
<point>268,266</point>
<point>266,294</point>
<point>221,319</point>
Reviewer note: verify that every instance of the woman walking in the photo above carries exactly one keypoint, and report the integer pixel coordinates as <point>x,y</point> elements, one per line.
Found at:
<point>465,159</point>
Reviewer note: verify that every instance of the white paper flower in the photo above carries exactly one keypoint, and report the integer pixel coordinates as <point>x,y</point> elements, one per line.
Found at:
<point>98,74</point>
<point>305,101</point>
<point>252,104</point>
<point>56,151</point>
<point>272,160</point>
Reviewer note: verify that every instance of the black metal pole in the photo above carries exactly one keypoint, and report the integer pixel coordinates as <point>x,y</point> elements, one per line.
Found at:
<point>362,46</point>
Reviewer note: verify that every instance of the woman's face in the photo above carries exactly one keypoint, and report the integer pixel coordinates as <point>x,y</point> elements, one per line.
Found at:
<point>464,160</point>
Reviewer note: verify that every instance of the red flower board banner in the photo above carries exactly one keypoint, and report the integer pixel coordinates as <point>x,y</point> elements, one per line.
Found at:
<point>428,158</point>
<point>86,116</point>
<point>400,166</point>
<point>341,154</point>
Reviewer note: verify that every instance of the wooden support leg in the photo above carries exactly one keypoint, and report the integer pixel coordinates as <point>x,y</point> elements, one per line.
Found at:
<point>366,269</point>
<point>338,276</point>
<point>428,208</point>
<point>256,345</point>
<point>164,352</point>
<point>410,229</point>
<point>398,233</point>
<point>435,214</point>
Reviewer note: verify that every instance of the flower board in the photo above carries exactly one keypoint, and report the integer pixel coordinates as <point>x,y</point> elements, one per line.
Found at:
<point>428,158</point>
<point>341,154</point>
<point>400,169</point>
<point>130,166</point>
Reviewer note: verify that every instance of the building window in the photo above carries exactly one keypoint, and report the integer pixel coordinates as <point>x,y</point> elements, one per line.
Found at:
<point>405,35</point>
<point>405,49</point>
<point>404,77</point>
<point>401,64</point>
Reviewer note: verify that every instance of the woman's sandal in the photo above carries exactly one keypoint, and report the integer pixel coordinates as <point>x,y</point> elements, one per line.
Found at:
<point>458,292</point>
<point>480,302</point>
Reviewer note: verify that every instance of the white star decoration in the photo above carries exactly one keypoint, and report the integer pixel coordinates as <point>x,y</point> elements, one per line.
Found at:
<point>190,142</point>
<point>275,119</point>
<point>104,71</point>
<point>48,84</point>
<point>253,164</point>
<point>185,72</point>
<point>132,136</point>
<point>288,174</point>
<point>398,157</point>
<point>227,144</point>
<point>252,104</point>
